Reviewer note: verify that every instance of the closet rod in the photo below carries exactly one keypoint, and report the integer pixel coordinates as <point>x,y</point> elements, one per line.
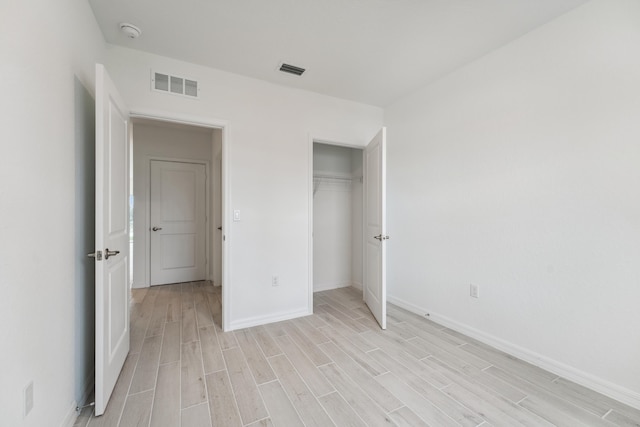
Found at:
<point>340,178</point>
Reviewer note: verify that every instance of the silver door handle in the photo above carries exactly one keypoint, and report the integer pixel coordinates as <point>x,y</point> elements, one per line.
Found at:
<point>108,253</point>
<point>381,237</point>
<point>97,255</point>
<point>157,228</point>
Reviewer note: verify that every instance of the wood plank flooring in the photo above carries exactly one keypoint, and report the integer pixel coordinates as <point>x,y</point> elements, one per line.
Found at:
<point>333,368</point>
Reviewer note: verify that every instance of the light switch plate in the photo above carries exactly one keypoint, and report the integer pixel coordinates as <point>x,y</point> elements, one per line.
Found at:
<point>236,215</point>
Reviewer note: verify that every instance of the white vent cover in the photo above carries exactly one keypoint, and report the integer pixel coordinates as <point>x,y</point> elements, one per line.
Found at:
<point>164,82</point>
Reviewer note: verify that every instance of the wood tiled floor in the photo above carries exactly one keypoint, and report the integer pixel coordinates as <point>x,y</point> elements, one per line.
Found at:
<point>333,368</point>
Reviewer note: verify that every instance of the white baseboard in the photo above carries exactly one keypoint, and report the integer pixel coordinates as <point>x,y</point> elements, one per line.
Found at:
<point>72,415</point>
<point>329,286</point>
<point>88,388</point>
<point>408,306</point>
<point>271,318</point>
<point>357,285</point>
<point>614,391</point>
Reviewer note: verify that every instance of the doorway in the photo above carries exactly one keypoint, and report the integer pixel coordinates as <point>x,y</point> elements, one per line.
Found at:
<point>115,165</point>
<point>337,217</point>
<point>348,236</point>
<point>175,161</point>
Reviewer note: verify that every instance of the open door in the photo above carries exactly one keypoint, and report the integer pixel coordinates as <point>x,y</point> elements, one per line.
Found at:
<point>112,237</point>
<point>375,286</point>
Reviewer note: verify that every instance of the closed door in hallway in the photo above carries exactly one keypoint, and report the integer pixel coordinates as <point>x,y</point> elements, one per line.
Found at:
<point>178,222</point>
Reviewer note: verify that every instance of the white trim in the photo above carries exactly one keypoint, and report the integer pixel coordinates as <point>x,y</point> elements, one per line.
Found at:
<point>269,318</point>
<point>363,228</point>
<point>409,307</point>
<point>331,140</point>
<point>226,227</point>
<point>88,388</point>
<point>185,119</point>
<point>585,379</point>
<point>72,415</point>
<point>310,195</point>
<point>329,286</point>
<point>223,125</point>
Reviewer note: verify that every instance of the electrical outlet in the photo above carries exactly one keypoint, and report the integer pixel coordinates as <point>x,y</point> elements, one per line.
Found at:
<point>474,291</point>
<point>275,281</point>
<point>28,398</point>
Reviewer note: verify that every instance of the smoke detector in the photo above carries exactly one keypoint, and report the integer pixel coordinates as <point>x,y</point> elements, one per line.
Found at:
<point>130,30</point>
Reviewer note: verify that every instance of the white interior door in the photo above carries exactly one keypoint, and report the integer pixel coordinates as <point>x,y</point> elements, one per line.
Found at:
<point>112,237</point>
<point>178,222</point>
<point>374,286</point>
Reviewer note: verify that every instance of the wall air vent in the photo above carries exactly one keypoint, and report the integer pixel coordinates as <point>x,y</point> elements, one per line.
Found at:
<point>167,83</point>
<point>291,69</point>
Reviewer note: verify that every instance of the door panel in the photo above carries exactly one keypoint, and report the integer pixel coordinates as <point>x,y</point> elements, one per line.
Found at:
<point>178,250</point>
<point>178,216</point>
<point>112,236</point>
<point>118,298</point>
<point>374,287</point>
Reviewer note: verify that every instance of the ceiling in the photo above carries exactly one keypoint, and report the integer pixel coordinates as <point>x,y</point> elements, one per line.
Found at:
<point>370,51</point>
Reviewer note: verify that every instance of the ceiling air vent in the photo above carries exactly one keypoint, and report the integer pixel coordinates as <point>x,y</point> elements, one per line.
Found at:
<point>291,69</point>
<point>163,82</point>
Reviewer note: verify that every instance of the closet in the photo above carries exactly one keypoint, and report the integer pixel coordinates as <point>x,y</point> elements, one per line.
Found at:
<point>337,217</point>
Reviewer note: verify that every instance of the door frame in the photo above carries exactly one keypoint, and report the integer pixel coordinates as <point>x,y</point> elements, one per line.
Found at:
<point>337,143</point>
<point>208,247</point>
<point>223,125</point>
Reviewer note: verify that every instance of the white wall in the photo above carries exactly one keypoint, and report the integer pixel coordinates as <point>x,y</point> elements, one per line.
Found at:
<point>161,141</point>
<point>269,127</point>
<point>519,173</point>
<point>331,159</point>
<point>44,120</point>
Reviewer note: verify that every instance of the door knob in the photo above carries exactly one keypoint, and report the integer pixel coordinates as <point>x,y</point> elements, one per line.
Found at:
<point>108,253</point>
<point>97,255</point>
<point>381,237</point>
<point>157,228</point>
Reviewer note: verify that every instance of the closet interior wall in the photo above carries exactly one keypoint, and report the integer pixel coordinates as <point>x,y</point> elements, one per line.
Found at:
<point>337,217</point>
